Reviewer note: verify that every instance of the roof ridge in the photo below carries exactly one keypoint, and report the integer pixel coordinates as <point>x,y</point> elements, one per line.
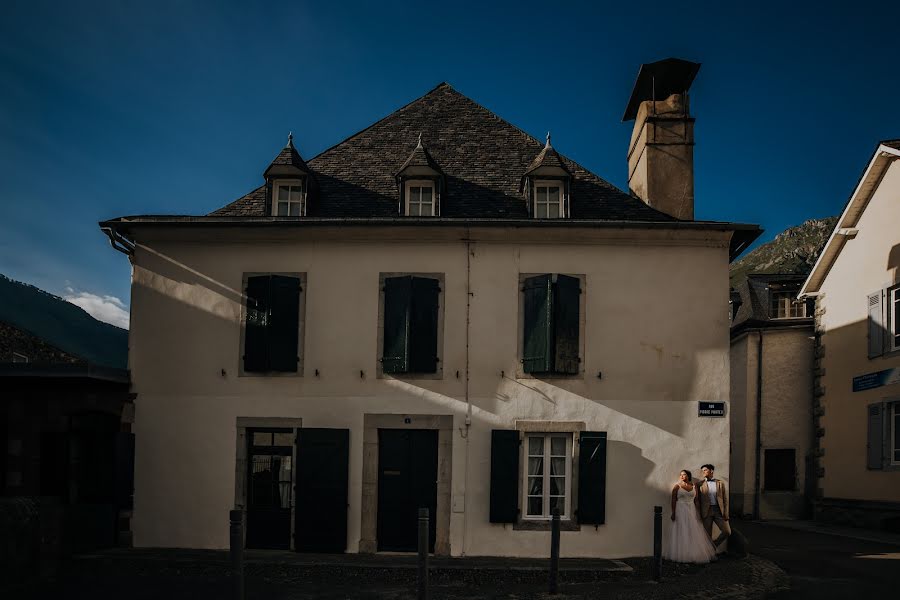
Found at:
<point>441,86</point>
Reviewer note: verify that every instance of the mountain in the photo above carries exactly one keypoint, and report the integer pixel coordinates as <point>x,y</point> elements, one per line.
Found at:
<point>62,324</point>
<point>794,250</point>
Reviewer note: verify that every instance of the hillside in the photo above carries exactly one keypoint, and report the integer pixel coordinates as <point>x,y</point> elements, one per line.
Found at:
<point>792,251</point>
<point>62,324</point>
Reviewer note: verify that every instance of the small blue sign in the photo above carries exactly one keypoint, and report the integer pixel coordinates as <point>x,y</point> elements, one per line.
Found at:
<point>711,409</point>
<point>870,381</point>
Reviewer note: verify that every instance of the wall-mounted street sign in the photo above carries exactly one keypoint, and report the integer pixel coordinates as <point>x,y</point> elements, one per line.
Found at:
<point>870,381</point>
<point>711,409</point>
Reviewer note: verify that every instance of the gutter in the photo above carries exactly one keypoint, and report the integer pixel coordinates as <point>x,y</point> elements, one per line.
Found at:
<point>758,449</point>
<point>117,241</point>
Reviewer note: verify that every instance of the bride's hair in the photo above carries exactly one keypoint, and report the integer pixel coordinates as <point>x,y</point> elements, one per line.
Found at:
<point>688,473</point>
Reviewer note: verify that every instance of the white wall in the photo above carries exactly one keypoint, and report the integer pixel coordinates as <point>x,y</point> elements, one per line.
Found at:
<point>656,327</point>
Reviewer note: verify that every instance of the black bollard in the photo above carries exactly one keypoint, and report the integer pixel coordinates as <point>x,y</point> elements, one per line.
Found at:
<point>657,543</point>
<point>423,555</point>
<point>554,552</point>
<point>236,518</point>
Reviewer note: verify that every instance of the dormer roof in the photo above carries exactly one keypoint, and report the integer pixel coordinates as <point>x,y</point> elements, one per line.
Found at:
<point>547,161</point>
<point>419,162</point>
<point>288,162</point>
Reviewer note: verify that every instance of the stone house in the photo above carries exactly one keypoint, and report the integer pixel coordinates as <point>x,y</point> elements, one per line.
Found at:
<point>771,398</point>
<point>440,311</point>
<point>856,287</point>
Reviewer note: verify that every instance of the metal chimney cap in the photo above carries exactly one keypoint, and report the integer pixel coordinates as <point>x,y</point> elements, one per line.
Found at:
<point>659,80</point>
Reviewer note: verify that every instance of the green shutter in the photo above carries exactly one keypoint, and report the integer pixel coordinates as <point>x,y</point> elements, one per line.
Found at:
<point>256,354</point>
<point>423,325</point>
<point>566,306</point>
<point>284,323</point>
<point>537,353</point>
<point>397,300</point>
<point>504,476</point>
<point>592,478</point>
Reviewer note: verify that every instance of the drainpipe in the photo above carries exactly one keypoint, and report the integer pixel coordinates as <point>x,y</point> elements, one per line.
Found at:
<point>756,484</point>
<point>468,401</point>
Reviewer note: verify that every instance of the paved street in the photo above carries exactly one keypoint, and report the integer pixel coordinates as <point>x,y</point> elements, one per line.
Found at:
<point>826,566</point>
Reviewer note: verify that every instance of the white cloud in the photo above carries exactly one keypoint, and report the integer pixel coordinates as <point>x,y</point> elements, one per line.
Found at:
<point>108,309</point>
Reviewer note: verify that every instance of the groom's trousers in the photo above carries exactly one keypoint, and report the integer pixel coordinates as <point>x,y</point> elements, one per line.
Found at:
<point>715,516</point>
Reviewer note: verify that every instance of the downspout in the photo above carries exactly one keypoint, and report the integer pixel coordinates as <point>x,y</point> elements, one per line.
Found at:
<point>756,484</point>
<point>466,388</point>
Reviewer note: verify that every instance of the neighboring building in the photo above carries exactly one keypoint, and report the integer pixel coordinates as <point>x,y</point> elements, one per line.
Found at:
<point>64,442</point>
<point>856,286</point>
<point>771,399</point>
<point>439,311</point>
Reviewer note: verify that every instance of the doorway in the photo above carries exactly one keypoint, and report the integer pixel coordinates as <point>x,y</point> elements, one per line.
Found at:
<point>407,481</point>
<point>269,483</point>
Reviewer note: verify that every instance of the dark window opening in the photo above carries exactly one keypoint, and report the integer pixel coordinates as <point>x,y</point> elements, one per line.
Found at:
<point>410,334</point>
<point>781,470</point>
<point>272,326</point>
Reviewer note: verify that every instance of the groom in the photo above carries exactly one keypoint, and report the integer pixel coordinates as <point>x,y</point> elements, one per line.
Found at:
<point>714,504</point>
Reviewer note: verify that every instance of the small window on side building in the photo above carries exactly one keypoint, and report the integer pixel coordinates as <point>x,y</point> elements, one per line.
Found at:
<point>290,198</point>
<point>548,199</point>
<point>783,305</point>
<point>780,470</point>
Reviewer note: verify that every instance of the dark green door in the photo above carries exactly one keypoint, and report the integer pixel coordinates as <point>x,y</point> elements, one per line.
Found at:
<point>269,483</point>
<point>407,481</point>
<point>320,520</point>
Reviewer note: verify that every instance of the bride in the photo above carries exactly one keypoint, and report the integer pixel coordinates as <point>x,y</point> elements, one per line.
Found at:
<point>687,541</point>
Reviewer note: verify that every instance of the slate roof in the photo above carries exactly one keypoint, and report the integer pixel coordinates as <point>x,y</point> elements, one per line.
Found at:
<point>753,296</point>
<point>420,158</point>
<point>289,157</point>
<point>482,157</point>
<point>548,157</point>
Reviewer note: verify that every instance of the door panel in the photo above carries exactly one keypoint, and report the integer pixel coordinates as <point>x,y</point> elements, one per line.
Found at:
<point>407,481</point>
<point>269,482</point>
<point>320,518</point>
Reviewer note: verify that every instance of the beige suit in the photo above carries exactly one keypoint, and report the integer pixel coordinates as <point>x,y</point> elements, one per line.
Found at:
<point>710,513</point>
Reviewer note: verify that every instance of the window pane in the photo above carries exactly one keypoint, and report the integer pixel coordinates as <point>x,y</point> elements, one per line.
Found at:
<point>536,446</point>
<point>541,211</point>
<point>536,506</point>
<point>553,212</point>
<point>295,209</point>
<point>557,486</point>
<point>284,439</point>
<point>535,466</point>
<point>558,504</point>
<point>558,466</point>
<point>296,193</point>
<point>553,194</point>
<point>542,194</point>
<point>557,446</point>
<point>262,438</point>
<point>414,209</point>
<point>425,210</point>
<point>282,209</point>
<point>285,495</point>
<point>535,486</point>
<point>415,194</point>
<point>426,194</point>
<point>283,194</point>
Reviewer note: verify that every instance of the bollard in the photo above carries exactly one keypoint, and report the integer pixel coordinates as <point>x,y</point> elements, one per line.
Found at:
<point>236,519</point>
<point>656,567</point>
<point>423,555</point>
<point>554,551</point>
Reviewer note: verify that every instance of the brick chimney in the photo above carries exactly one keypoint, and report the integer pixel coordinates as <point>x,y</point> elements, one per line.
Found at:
<point>661,153</point>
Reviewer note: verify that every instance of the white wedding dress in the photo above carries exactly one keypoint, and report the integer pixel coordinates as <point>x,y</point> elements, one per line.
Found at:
<point>687,540</point>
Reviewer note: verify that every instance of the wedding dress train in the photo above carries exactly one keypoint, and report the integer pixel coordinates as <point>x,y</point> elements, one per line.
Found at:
<point>687,540</point>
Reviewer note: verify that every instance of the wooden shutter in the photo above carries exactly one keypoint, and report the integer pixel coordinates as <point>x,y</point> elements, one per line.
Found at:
<point>256,353</point>
<point>566,315</point>
<point>591,508</point>
<point>423,325</point>
<point>537,346</point>
<point>397,300</point>
<point>876,324</point>
<point>322,469</point>
<point>875,441</point>
<point>504,476</point>
<point>284,323</point>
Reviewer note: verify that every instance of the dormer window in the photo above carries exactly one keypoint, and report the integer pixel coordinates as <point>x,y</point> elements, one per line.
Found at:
<point>290,198</point>
<point>548,199</point>
<point>420,198</point>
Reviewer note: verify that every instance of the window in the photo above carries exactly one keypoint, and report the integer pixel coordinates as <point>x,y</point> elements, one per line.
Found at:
<point>551,309</point>
<point>420,199</point>
<point>290,198</point>
<point>884,321</point>
<point>272,324</point>
<point>410,327</point>
<point>883,444</point>
<point>783,305</point>
<point>548,475</point>
<point>548,199</point>
<point>19,358</point>
<point>780,470</point>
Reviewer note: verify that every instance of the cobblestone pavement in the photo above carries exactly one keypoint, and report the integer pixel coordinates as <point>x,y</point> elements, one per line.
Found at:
<point>823,566</point>
<point>168,575</point>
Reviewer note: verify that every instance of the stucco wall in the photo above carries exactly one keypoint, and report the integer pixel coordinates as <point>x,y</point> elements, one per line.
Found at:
<point>867,263</point>
<point>655,323</point>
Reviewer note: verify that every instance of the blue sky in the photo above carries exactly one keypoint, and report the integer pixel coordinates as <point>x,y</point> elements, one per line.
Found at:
<point>118,108</point>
